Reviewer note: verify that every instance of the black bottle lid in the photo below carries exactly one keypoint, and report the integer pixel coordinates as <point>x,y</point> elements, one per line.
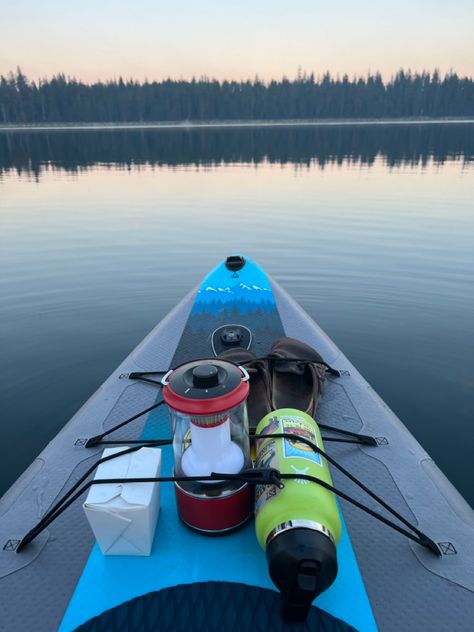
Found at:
<point>302,563</point>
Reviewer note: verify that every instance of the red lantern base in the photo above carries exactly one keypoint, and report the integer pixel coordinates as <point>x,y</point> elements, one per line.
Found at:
<point>218,514</point>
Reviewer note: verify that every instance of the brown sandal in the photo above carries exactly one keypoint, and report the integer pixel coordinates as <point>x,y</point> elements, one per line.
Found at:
<point>298,375</point>
<point>259,399</point>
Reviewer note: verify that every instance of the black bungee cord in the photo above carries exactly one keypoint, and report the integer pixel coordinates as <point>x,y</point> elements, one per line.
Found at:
<point>99,439</point>
<point>255,476</point>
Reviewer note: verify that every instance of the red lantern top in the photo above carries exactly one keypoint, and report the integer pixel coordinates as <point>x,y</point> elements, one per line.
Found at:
<point>205,387</point>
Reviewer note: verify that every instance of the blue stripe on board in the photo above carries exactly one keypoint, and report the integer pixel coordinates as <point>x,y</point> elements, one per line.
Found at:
<point>180,556</point>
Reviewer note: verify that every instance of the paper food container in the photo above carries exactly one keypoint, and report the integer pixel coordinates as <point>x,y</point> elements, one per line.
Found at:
<point>123,517</point>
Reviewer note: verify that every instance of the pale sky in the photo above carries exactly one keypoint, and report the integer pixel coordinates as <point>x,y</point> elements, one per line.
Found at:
<point>100,39</point>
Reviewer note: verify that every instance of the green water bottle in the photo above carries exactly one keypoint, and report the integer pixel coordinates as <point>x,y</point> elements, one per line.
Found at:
<point>298,526</point>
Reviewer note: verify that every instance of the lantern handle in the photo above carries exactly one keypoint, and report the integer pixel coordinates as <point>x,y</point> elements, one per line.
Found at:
<point>246,377</point>
<point>164,379</point>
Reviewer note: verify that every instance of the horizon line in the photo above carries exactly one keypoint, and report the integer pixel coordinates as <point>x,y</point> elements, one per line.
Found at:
<point>215,124</point>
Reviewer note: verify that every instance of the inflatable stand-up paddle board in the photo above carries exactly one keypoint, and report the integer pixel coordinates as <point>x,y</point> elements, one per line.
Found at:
<point>61,580</point>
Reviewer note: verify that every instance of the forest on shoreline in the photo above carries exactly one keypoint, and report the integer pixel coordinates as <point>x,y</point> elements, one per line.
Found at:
<point>62,99</point>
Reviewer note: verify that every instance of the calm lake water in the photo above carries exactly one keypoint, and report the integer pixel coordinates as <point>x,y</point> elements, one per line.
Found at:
<point>371,229</point>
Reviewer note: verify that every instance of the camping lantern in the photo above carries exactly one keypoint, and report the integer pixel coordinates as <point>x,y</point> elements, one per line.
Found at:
<point>207,404</point>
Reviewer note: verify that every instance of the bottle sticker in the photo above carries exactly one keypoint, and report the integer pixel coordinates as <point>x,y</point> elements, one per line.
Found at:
<point>263,494</point>
<point>294,448</point>
<point>272,426</point>
<point>267,456</point>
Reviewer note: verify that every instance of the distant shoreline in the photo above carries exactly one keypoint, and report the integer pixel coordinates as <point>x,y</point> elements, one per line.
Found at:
<point>185,125</point>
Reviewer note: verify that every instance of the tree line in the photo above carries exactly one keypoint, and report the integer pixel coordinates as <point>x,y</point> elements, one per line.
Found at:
<point>64,99</point>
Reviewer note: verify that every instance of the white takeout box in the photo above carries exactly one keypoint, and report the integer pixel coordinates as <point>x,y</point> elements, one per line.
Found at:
<point>123,516</point>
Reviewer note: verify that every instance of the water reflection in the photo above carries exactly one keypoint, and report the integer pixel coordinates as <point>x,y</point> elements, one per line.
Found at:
<point>379,251</point>
<point>410,145</point>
